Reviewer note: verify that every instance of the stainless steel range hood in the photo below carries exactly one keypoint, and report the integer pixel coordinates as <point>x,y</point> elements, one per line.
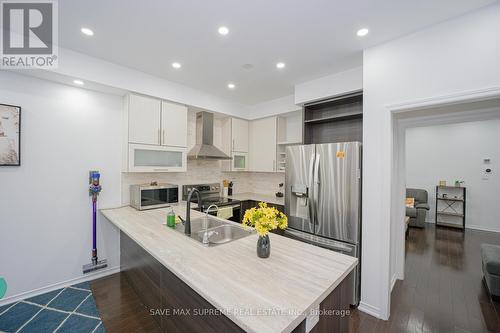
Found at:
<point>204,148</point>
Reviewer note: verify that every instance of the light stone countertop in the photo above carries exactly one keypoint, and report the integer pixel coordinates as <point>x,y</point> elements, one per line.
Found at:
<point>249,290</point>
<point>258,197</point>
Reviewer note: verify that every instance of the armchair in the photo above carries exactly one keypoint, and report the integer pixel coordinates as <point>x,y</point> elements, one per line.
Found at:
<point>418,213</point>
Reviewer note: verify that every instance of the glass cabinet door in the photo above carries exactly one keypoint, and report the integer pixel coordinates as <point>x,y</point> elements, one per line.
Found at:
<point>143,158</point>
<point>240,161</point>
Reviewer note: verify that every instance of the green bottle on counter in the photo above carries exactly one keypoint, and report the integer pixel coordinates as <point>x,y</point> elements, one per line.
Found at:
<point>171,219</point>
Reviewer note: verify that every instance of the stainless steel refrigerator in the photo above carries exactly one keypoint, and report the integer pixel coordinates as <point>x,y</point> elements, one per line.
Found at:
<point>323,198</point>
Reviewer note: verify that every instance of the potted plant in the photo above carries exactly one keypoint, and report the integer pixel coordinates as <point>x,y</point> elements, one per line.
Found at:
<point>264,219</point>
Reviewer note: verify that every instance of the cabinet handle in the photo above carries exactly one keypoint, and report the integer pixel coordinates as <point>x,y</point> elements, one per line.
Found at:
<point>159,136</point>
<point>274,165</point>
<point>232,148</point>
<point>163,136</point>
<point>160,169</point>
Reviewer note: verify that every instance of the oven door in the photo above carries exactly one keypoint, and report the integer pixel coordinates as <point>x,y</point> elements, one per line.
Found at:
<point>236,212</point>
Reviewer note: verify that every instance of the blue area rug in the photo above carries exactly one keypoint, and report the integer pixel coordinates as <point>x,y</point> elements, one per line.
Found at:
<point>71,309</point>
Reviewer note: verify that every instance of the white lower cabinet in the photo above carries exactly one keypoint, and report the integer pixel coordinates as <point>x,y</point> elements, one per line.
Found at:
<point>145,158</point>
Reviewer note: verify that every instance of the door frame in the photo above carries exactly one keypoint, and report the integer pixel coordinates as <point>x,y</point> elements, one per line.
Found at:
<point>438,110</point>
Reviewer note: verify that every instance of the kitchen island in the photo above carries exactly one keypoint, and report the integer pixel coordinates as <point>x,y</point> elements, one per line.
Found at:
<point>227,288</point>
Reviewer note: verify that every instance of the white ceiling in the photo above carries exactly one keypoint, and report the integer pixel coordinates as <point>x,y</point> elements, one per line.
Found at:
<point>313,37</point>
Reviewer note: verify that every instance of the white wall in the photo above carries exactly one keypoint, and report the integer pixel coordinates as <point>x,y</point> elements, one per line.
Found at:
<point>329,86</point>
<point>457,152</point>
<point>76,65</point>
<point>459,55</point>
<point>45,210</point>
<point>273,107</point>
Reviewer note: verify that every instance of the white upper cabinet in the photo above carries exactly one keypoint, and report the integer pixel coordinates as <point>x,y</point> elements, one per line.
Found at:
<point>262,145</point>
<point>144,120</point>
<point>148,158</point>
<point>173,124</point>
<point>156,135</point>
<point>239,131</point>
<point>235,143</point>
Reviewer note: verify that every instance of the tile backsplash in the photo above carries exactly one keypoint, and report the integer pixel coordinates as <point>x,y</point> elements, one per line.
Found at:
<point>256,182</point>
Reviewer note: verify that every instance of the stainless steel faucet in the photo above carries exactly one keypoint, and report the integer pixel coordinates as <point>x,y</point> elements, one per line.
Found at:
<point>187,225</point>
<point>207,234</point>
<point>208,209</point>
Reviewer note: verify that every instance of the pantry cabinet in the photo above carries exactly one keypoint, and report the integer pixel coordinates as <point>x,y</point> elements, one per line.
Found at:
<point>156,135</point>
<point>262,145</point>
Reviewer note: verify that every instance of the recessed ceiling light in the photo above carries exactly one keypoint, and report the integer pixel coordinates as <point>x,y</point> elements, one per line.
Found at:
<point>87,31</point>
<point>78,82</point>
<point>280,65</point>
<point>362,32</point>
<point>231,85</point>
<point>223,31</point>
<point>176,65</point>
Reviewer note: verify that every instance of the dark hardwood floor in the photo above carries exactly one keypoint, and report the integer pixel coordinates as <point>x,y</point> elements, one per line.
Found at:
<point>120,308</point>
<point>443,289</point>
<point>442,292</point>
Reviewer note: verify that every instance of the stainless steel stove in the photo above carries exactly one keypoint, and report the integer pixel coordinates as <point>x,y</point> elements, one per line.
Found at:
<point>210,195</point>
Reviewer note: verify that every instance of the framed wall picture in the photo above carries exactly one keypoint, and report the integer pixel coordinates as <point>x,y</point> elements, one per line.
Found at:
<point>10,135</point>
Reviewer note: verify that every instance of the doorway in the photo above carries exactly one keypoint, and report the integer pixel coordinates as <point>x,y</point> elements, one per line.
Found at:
<point>406,118</point>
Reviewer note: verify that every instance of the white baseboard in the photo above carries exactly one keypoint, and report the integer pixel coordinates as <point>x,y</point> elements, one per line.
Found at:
<point>393,281</point>
<point>369,309</point>
<point>475,227</point>
<point>481,228</point>
<point>59,285</point>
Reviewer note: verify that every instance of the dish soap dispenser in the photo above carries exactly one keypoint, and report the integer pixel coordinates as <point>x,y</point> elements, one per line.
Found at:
<point>171,218</point>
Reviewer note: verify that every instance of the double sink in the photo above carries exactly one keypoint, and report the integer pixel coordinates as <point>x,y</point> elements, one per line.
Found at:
<point>211,231</point>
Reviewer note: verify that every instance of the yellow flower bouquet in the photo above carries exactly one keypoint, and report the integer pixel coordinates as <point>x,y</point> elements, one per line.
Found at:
<point>264,219</point>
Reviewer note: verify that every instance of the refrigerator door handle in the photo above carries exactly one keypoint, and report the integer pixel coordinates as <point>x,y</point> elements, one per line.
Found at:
<point>335,247</point>
<point>325,243</point>
<point>311,198</point>
<point>316,184</point>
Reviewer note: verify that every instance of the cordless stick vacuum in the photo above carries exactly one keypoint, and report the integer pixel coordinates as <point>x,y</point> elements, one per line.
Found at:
<point>94,190</point>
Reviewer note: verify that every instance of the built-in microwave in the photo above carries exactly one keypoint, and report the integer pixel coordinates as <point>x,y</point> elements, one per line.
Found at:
<point>149,196</point>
